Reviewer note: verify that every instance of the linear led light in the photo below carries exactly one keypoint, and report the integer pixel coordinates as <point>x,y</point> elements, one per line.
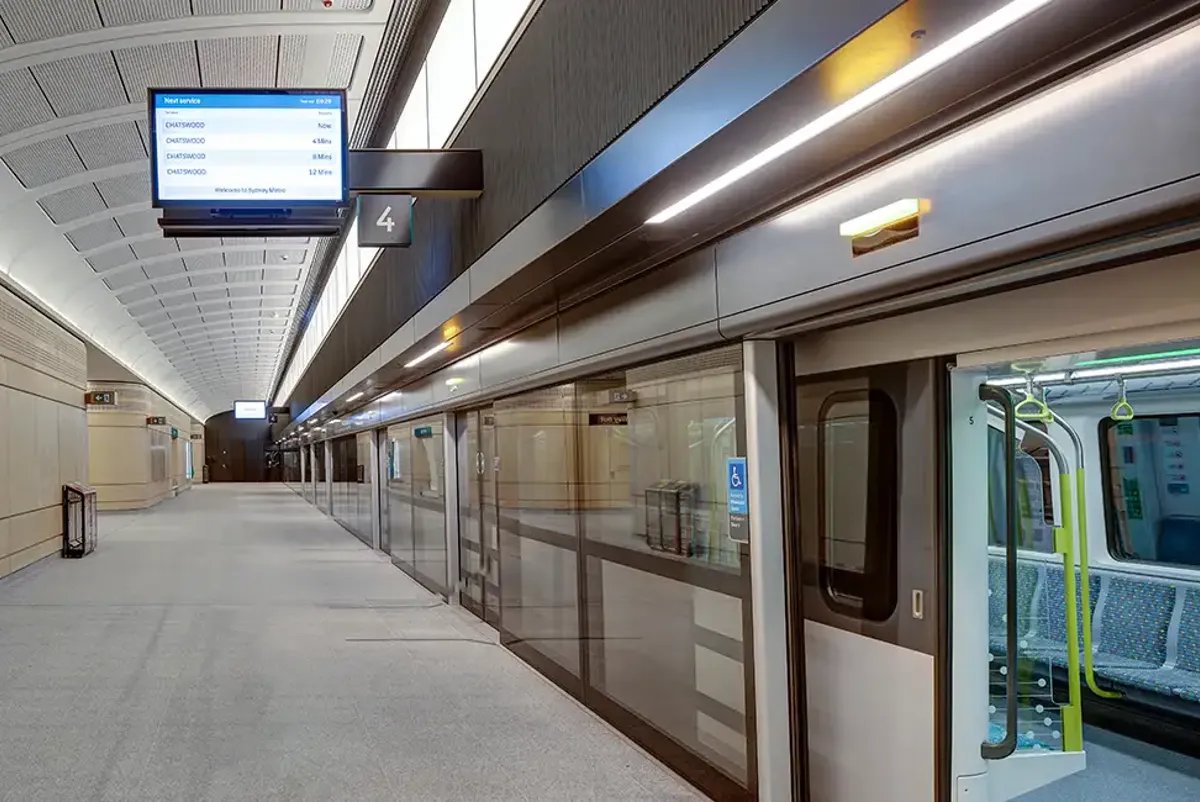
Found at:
<point>354,397</point>
<point>889,215</point>
<point>1115,360</point>
<point>335,420</point>
<point>987,27</point>
<point>1158,366</point>
<point>1132,370</point>
<point>437,349</point>
<point>1015,381</point>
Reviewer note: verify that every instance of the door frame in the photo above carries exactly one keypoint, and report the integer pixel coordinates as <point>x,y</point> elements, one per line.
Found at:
<point>479,473</point>
<point>380,445</point>
<point>939,592</point>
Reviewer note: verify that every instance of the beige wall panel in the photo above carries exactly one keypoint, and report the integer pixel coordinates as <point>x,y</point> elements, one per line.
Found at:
<point>118,456</point>
<point>5,450</point>
<point>22,451</point>
<point>5,548</point>
<point>42,430</point>
<point>38,342</point>
<point>22,377</point>
<point>72,446</point>
<point>46,461</point>
<point>30,529</point>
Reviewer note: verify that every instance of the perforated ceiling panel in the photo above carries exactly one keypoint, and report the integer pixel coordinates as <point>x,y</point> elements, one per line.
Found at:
<point>202,319</point>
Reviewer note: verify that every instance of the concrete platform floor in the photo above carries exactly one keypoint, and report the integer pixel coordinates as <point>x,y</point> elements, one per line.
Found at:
<point>236,644</point>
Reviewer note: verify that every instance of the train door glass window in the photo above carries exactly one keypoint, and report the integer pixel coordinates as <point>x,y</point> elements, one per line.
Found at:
<point>617,574</point>
<point>537,510</point>
<point>663,581</point>
<point>471,470</point>
<point>857,443</point>
<point>399,492</point>
<point>1150,463</point>
<point>429,501</point>
<point>1034,475</point>
<point>365,489</point>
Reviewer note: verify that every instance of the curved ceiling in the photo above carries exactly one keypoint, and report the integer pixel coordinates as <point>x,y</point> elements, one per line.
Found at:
<point>203,320</point>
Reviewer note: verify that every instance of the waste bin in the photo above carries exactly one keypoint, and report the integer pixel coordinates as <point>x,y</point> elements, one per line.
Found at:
<point>80,523</point>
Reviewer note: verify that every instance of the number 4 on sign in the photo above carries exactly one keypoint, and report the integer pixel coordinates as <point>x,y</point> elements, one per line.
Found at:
<point>385,219</point>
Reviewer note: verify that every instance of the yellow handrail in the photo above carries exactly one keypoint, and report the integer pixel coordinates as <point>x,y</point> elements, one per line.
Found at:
<point>1064,544</point>
<point>1089,665</point>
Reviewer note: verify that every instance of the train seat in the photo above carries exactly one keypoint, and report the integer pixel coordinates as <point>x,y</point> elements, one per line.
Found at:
<point>1049,638</point>
<point>1028,577</point>
<point>1180,679</point>
<point>1133,631</point>
<point>1135,621</point>
<point>1186,682</point>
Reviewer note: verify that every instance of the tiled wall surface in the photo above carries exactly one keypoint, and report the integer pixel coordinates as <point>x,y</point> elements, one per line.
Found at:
<point>43,430</point>
<point>132,465</point>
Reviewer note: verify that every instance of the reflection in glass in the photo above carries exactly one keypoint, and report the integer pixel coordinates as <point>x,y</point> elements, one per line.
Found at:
<point>535,492</point>
<point>629,469</point>
<point>320,477</point>
<point>429,502</point>
<point>470,514</point>
<point>415,504</point>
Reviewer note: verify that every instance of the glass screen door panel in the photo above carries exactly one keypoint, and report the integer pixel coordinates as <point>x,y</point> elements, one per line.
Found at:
<point>386,456</point>
<point>489,462</point>
<point>470,513</point>
<point>478,535</point>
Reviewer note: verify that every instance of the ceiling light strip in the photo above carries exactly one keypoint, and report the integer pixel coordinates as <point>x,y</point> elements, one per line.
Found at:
<point>434,351</point>
<point>1107,372</point>
<point>989,26</point>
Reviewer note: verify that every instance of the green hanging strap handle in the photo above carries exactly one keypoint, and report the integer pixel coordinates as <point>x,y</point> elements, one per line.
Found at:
<point>1032,408</point>
<point>1122,410</point>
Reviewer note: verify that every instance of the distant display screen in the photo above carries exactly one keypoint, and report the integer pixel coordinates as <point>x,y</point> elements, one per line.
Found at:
<point>251,148</point>
<point>250,410</point>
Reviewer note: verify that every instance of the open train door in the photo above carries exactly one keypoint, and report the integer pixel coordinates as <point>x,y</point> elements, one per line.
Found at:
<point>1014,729</point>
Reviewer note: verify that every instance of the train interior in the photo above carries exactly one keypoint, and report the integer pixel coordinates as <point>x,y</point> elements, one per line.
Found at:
<point>1090,463</point>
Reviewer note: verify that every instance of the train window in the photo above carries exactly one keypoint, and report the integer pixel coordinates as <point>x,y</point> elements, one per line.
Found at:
<point>1035,498</point>
<point>1149,466</point>
<point>857,459</point>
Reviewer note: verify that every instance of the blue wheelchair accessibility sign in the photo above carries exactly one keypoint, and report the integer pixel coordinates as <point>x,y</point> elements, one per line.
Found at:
<point>737,486</point>
<point>738,499</point>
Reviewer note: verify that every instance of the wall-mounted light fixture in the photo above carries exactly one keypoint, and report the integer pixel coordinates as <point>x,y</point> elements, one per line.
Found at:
<point>893,214</point>
<point>888,225</point>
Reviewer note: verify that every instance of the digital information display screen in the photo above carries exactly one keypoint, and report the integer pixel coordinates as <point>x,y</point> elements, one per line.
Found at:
<point>251,148</point>
<point>250,410</point>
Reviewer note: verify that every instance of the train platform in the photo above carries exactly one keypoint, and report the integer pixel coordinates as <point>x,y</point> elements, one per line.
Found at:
<point>236,644</point>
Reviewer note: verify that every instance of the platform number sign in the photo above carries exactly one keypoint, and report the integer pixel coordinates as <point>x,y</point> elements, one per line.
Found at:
<point>385,221</point>
<point>738,499</point>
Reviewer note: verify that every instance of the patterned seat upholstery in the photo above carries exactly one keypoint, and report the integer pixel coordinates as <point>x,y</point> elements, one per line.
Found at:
<point>1133,634</point>
<point>1050,639</point>
<point>1027,580</point>
<point>1181,681</point>
<point>1133,637</point>
<point>1186,675</point>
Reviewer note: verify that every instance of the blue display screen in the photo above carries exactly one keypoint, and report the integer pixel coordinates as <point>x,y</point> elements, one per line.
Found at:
<point>252,148</point>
